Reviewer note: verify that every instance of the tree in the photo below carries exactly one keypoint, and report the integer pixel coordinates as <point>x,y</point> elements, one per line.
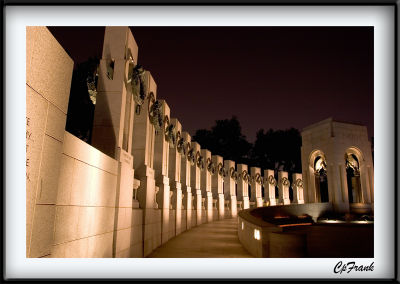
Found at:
<point>225,139</point>
<point>273,149</point>
<point>278,150</point>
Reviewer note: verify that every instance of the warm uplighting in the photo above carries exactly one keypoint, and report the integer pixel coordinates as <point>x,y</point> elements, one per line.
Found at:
<point>280,217</point>
<point>257,234</point>
<point>331,221</point>
<point>242,226</point>
<point>298,224</point>
<point>362,222</point>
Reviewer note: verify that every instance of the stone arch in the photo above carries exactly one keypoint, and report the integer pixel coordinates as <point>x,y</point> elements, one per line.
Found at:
<point>356,175</point>
<point>318,179</point>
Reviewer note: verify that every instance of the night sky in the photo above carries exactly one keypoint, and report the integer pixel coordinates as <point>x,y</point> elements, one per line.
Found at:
<point>269,77</point>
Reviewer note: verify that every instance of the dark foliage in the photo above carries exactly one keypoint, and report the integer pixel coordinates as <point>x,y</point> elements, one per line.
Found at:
<point>225,139</point>
<point>80,107</point>
<point>273,149</point>
<point>278,150</point>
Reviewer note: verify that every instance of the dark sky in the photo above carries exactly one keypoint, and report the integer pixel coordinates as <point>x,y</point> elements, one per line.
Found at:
<point>269,77</point>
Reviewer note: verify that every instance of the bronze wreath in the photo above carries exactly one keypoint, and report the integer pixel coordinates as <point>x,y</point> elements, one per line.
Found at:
<point>271,180</point>
<point>245,176</point>
<point>299,182</point>
<point>211,166</point>
<point>190,156</point>
<point>137,78</point>
<point>180,144</point>
<point>199,161</point>
<point>285,181</point>
<point>221,170</point>
<point>155,114</point>
<point>257,178</point>
<point>170,132</point>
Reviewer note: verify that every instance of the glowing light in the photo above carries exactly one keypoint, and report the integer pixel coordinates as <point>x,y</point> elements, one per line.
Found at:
<point>280,217</point>
<point>331,221</point>
<point>257,234</point>
<point>363,222</point>
<point>242,226</point>
<point>291,225</point>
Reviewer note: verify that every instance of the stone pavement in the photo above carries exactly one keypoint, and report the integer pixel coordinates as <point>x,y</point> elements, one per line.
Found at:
<point>215,239</point>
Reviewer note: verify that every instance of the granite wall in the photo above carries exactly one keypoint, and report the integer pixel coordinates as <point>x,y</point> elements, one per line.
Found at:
<point>48,81</point>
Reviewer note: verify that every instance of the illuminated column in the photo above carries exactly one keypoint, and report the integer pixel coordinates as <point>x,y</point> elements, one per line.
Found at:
<point>230,186</point>
<point>269,187</point>
<point>256,181</point>
<point>334,187</point>
<point>174,171</point>
<point>162,142</point>
<point>114,117</point>
<point>243,185</point>
<point>143,151</point>
<point>206,183</point>
<point>195,179</point>
<point>217,185</point>
<point>283,187</point>
<point>370,170</point>
<point>183,146</point>
<point>343,183</point>
<point>298,191</point>
<point>365,186</point>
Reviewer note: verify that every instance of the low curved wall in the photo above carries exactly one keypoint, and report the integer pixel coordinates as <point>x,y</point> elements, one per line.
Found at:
<point>263,239</point>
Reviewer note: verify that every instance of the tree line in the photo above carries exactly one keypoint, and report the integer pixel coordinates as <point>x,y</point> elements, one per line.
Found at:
<point>273,149</point>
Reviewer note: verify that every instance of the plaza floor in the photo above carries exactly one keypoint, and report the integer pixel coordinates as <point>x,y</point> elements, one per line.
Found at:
<point>212,240</point>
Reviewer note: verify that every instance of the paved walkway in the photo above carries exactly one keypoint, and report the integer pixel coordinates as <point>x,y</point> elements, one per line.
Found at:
<point>216,239</point>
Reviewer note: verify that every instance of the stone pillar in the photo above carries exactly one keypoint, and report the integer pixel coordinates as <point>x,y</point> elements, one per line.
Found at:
<point>143,151</point>
<point>113,116</point>
<point>343,183</point>
<point>183,146</point>
<point>48,81</point>
<point>283,187</point>
<point>162,144</point>
<point>365,186</point>
<point>256,181</point>
<point>210,169</point>
<point>243,186</point>
<point>311,189</point>
<point>217,185</point>
<point>298,191</point>
<point>174,173</point>
<point>269,187</point>
<point>370,171</point>
<point>230,186</point>
<point>195,180</point>
<point>335,192</point>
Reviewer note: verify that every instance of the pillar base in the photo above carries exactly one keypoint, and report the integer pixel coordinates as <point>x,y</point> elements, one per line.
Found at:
<point>176,205</point>
<point>199,206</point>
<point>284,201</point>
<point>246,202</point>
<point>259,202</point>
<point>233,206</point>
<point>209,206</point>
<point>271,201</point>
<point>221,206</point>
